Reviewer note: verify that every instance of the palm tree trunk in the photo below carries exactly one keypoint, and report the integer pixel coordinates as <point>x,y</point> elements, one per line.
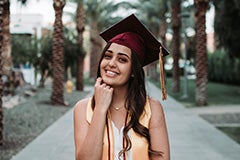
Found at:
<point>7,63</point>
<point>176,24</point>
<point>80,60</point>
<point>57,97</point>
<point>1,72</point>
<point>163,31</point>
<point>95,49</point>
<point>163,23</point>
<point>201,52</point>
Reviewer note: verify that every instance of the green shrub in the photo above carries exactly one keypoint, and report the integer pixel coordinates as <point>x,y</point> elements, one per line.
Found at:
<point>222,68</point>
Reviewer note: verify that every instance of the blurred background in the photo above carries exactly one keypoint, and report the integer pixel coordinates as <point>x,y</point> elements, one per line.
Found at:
<point>55,45</point>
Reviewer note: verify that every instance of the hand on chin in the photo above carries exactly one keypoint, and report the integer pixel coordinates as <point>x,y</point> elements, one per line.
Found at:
<point>108,81</point>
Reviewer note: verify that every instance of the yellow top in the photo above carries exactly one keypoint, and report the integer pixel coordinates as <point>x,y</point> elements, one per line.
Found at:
<point>139,144</point>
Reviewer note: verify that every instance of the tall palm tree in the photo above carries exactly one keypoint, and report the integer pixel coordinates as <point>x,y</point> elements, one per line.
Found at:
<point>57,97</point>
<point>5,51</point>
<point>176,25</point>
<point>7,63</point>
<point>1,71</point>
<point>80,19</point>
<point>201,52</point>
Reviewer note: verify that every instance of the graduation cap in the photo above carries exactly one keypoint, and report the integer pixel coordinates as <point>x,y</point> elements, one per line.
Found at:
<point>131,33</point>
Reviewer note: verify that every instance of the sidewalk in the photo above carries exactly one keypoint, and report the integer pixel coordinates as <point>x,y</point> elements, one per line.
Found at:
<point>191,137</point>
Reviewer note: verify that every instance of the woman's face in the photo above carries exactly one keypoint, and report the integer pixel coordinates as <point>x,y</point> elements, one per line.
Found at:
<point>115,67</point>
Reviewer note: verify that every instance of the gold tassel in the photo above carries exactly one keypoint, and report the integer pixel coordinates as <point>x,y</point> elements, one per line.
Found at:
<point>162,80</point>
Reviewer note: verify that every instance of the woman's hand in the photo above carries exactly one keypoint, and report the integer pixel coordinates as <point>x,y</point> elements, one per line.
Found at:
<point>103,94</point>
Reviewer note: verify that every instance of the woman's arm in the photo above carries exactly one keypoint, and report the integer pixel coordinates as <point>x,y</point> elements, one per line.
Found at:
<point>158,131</point>
<point>89,137</point>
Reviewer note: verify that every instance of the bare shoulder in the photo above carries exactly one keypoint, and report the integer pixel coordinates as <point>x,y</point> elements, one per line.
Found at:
<point>155,105</point>
<point>81,105</point>
<point>157,114</point>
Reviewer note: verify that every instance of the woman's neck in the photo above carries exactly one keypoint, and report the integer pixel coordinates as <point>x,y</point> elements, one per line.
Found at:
<point>117,109</point>
<point>119,96</point>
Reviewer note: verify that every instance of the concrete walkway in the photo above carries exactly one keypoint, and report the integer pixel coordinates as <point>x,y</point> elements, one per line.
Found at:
<point>216,109</point>
<point>191,137</point>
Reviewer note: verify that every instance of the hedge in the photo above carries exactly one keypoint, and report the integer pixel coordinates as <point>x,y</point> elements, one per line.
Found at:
<point>222,68</point>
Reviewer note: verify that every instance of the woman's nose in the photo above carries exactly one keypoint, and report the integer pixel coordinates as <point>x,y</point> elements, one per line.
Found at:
<point>112,62</point>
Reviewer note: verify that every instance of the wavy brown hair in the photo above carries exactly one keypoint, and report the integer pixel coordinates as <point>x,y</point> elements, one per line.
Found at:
<point>136,100</point>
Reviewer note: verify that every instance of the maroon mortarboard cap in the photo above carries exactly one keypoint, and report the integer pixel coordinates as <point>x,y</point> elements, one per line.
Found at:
<point>131,33</point>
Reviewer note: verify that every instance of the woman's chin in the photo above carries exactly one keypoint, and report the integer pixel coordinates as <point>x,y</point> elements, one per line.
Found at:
<point>108,81</point>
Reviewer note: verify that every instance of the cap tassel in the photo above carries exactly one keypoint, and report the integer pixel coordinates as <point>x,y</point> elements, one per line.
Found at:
<point>162,80</point>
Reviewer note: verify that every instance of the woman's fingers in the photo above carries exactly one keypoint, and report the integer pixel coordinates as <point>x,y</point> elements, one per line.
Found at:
<point>108,87</point>
<point>103,94</point>
<point>98,81</point>
<point>103,85</point>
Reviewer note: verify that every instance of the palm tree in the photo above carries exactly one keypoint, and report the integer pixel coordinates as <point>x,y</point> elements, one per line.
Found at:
<point>80,19</point>
<point>5,51</point>
<point>7,63</point>
<point>201,52</point>
<point>57,97</point>
<point>1,71</point>
<point>176,24</point>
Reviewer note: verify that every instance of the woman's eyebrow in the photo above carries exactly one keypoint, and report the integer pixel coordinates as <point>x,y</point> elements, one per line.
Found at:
<point>124,54</point>
<point>119,53</point>
<point>109,51</point>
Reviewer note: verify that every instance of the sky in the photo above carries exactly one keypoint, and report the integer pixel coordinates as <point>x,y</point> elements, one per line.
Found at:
<point>45,8</point>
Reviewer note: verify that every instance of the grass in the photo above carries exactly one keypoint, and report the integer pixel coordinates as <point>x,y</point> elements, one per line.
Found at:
<point>26,121</point>
<point>228,118</point>
<point>232,132</point>
<point>218,93</point>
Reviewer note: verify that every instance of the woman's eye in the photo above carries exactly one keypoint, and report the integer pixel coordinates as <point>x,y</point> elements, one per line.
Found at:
<point>106,56</point>
<point>122,60</point>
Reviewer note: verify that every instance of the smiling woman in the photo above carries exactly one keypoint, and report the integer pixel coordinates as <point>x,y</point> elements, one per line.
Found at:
<point>120,121</point>
<point>115,66</point>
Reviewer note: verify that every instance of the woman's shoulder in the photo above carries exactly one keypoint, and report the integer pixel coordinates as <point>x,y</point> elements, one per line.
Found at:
<point>154,104</point>
<point>157,113</point>
<point>81,104</point>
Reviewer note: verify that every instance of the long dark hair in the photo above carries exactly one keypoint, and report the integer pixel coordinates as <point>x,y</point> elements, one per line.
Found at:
<point>136,100</point>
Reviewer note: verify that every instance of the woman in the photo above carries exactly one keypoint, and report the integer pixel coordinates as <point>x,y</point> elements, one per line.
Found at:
<point>120,121</point>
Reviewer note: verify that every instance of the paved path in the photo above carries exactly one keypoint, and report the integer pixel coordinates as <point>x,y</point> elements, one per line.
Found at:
<point>216,109</point>
<point>191,137</point>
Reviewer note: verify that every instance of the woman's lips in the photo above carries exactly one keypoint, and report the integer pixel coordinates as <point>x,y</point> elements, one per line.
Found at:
<point>111,73</point>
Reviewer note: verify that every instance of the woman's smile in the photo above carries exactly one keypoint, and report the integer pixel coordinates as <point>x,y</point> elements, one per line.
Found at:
<point>110,73</point>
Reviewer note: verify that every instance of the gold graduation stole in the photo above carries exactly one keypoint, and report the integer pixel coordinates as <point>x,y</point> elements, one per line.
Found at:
<point>139,144</point>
